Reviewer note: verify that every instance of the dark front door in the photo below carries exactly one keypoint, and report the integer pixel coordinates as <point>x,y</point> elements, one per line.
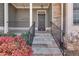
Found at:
<point>41,22</point>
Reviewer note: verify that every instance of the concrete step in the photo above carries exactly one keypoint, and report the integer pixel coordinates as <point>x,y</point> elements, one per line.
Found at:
<point>45,38</point>
<point>44,42</point>
<point>48,35</point>
<point>45,45</point>
<point>46,51</point>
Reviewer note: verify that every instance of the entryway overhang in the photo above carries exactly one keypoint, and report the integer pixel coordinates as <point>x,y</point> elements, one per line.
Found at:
<point>34,6</point>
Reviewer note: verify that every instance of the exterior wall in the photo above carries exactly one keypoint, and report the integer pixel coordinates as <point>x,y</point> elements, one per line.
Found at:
<point>34,18</point>
<point>12,15</point>
<point>18,18</point>
<point>71,38</point>
<point>49,15</point>
<point>1,16</point>
<point>56,19</point>
<point>75,27</point>
<point>70,27</point>
<point>22,18</point>
<point>57,14</point>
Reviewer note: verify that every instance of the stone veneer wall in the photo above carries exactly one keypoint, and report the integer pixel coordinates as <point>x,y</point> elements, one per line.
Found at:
<point>56,8</point>
<point>57,14</point>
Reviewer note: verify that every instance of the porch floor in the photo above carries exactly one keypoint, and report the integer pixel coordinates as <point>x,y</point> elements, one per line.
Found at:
<point>44,45</point>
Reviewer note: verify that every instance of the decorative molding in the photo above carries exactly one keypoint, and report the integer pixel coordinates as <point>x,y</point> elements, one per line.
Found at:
<point>31,14</point>
<point>45,7</point>
<point>15,28</point>
<point>45,17</point>
<point>21,28</point>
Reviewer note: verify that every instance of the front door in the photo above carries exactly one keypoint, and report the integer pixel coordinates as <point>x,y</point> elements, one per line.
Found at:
<point>41,22</point>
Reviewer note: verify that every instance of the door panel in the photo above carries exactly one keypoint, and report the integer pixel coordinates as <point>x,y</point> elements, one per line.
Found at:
<point>41,22</point>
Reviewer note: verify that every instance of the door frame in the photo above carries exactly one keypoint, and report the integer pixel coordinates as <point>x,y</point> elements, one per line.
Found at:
<point>45,17</point>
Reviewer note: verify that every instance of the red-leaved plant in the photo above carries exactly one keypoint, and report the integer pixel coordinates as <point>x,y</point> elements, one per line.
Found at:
<point>14,46</point>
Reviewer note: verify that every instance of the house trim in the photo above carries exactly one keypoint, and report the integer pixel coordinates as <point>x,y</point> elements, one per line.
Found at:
<point>5,17</point>
<point>46,7</point>
<point>61,16</point>
<point>21,28</point>
<point>30,14</point>
<point>69,18</point>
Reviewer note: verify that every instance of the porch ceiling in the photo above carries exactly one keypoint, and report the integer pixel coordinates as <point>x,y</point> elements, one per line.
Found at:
<point>35,5</point>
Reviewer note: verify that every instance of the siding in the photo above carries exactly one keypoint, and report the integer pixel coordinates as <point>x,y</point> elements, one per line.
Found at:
<point>1,16</point>
<point>22,18</point>
<point>18,18</point>
<point>12,15</point>
<point>35,17</point>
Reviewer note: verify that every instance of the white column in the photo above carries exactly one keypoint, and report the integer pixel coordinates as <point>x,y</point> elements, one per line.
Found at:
<point>69,17</point>
<point>5,17</point>
<point>61,16</point>
<point>30,14</point>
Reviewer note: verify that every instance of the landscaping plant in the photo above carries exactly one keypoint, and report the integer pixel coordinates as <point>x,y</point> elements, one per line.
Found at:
<point>14,46</point>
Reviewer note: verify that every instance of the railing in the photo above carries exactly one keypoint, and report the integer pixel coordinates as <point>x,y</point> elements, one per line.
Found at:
<point>58,36</point>
<point>32,33</point>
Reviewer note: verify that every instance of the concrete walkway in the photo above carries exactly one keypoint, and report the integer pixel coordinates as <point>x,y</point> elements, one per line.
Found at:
<point>44,45</point>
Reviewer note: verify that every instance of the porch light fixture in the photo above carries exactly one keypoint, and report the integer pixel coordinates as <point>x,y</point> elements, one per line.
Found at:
<point>42,6</point>
<point>24,5</point>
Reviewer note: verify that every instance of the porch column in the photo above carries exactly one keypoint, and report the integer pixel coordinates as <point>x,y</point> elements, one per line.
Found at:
<point>69,17</point>
<point>5,17</point>
<point>61,16</point>
<point>30,14</point>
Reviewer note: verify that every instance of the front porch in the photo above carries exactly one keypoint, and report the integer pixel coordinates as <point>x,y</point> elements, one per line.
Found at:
<point>18,18</point>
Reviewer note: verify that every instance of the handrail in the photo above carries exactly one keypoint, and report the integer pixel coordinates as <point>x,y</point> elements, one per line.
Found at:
<point>58,36</point>
<point>33,26</point>
<point>32,32</point>
<point>57,27</point>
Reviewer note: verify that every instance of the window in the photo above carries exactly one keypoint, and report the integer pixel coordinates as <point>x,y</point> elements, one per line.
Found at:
<point>76,13</point>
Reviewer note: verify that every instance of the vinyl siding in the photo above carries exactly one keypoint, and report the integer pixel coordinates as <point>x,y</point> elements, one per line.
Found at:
<point>12,15</point>
<point>22,18</point>
<point>1,16</point>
